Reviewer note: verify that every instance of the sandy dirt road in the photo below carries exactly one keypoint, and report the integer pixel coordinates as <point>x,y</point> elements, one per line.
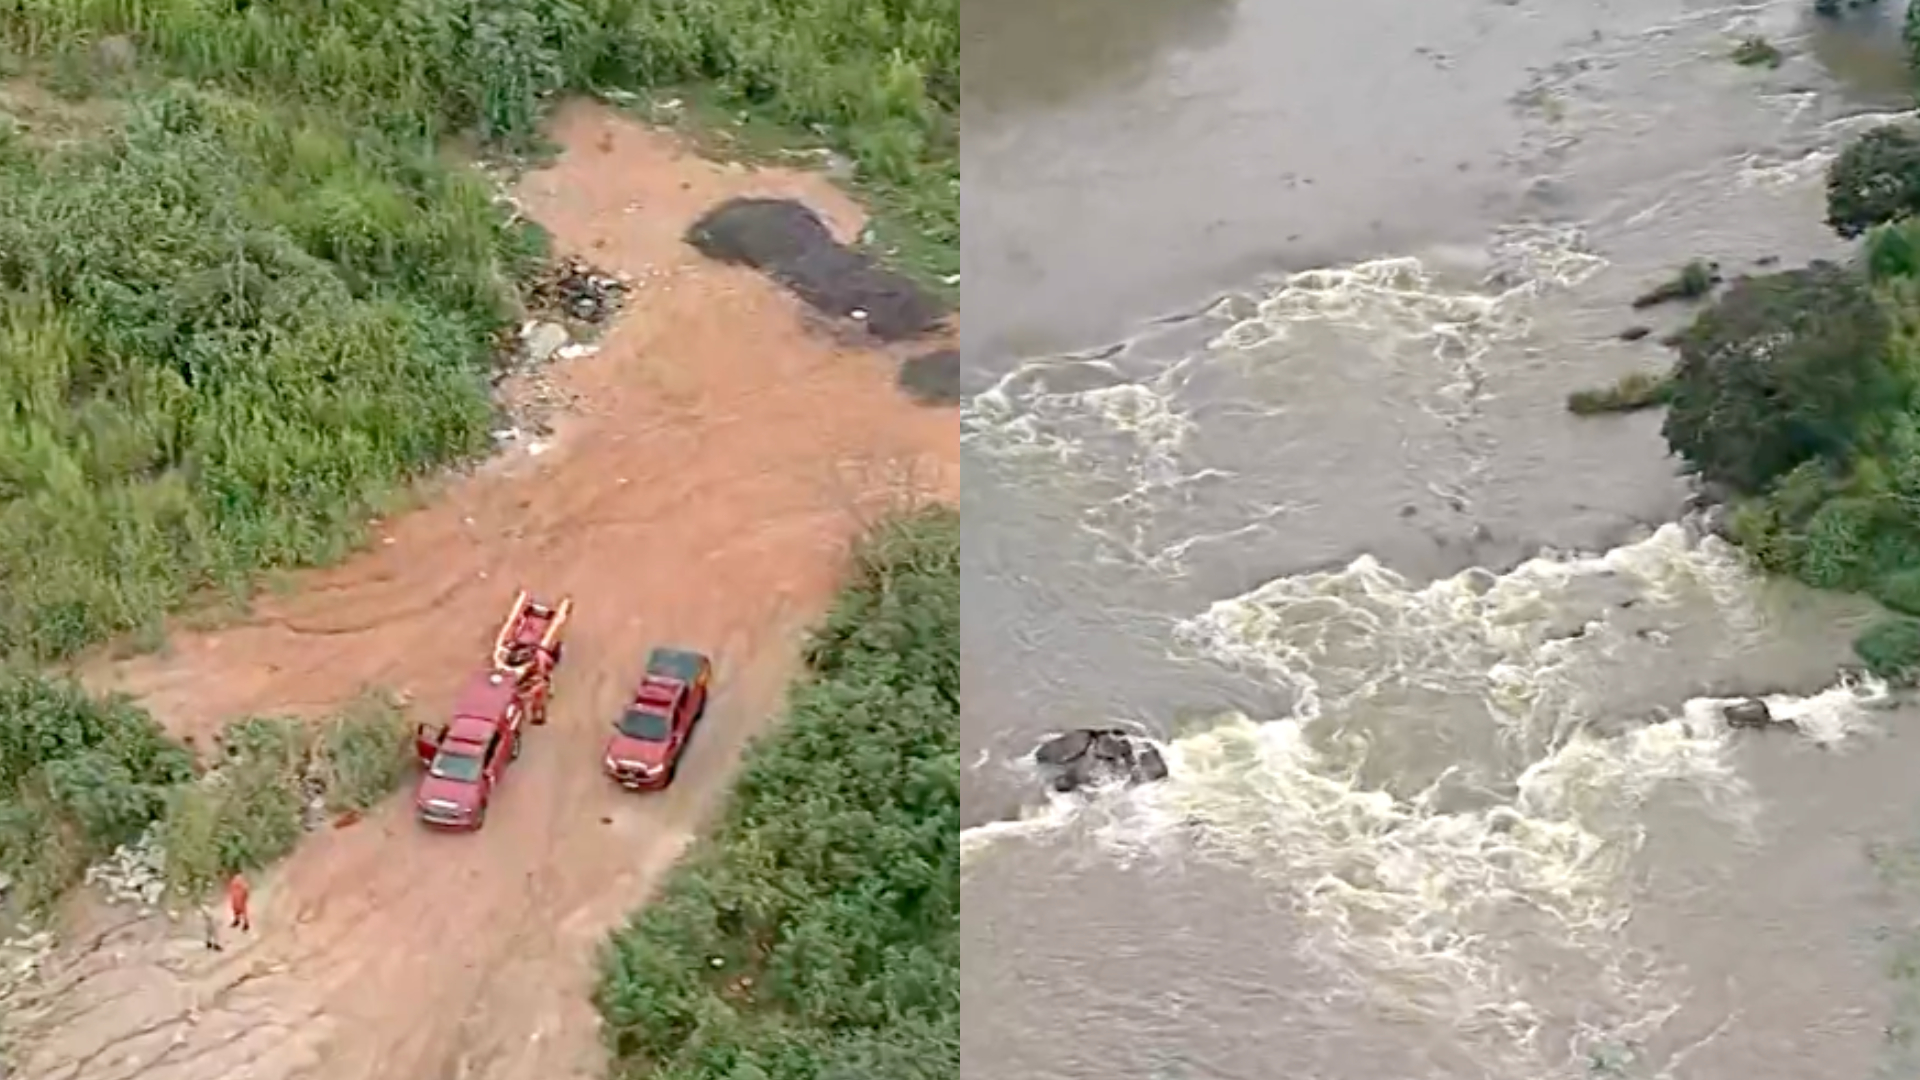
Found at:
<point>719,458</point>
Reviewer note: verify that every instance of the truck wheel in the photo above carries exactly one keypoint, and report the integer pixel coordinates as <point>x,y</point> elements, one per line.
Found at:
<point>480,817</point>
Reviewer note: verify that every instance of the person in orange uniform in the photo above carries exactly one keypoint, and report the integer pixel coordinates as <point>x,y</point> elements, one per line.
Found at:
<point>237,900</point>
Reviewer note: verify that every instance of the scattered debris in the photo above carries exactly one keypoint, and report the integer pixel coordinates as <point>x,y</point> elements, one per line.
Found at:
<point>135,874</point>
<point>573,289</point>
<point>570,300</point>
<point>20,960</point>
<point>539,341</point>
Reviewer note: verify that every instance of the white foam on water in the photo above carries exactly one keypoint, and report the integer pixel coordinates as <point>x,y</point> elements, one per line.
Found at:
<point>1059,812</point>
<point>1415,886</point>
<point>1116,426</point>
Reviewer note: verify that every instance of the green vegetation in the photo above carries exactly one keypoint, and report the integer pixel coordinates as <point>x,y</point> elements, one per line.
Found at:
<point>250,810</point>
<point>1798,393</point>
<point>877,81</point>
<point>1630,393</point>
<point>1875,180</point>
<point>1756,51</point>
<point>226,333</point>
<point>1784,369</point>
<point>246,294</point>
<point>81,775</point>
<point>1695,280</point>
<point>814,934</point>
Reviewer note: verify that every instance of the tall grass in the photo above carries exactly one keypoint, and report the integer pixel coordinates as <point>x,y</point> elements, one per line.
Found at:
<point>878,79</point>
<point>225,331</point>
<point>245,310</point>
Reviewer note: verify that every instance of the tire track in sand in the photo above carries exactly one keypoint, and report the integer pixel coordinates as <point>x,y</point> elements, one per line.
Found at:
<point>704,492</point>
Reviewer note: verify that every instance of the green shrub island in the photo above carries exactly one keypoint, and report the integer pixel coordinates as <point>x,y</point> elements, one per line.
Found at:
<point>1797,394</point>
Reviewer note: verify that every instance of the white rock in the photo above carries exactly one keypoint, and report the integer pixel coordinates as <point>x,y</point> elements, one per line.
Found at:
<point>542,340</point>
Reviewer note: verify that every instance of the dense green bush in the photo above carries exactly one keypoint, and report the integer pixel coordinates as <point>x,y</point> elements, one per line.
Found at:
<point>366,752</point>
<point>814,934</point>
<point>244,814</point>
<point>224,332</point>
<point>1781,369</point>
<point>879,81</point>
<point>78,776</point>
<point>1875,180</point>
<point>1891,648</point>
<point>232,318</point>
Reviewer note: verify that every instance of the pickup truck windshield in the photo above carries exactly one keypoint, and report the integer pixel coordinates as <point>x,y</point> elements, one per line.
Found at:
<point>645,726</point>
<point>460,767</point>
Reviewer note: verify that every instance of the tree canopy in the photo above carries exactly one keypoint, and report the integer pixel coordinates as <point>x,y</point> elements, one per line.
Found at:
<point>1782,369</point>
<point>1875,180</point>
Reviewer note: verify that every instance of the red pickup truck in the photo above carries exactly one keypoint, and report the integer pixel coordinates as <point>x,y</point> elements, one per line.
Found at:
<point>651,734</point>
<point>467,757</point>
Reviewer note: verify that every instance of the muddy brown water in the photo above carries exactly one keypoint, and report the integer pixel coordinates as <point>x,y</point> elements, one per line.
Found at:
<point>698,491</point>
<point>1273,319</point>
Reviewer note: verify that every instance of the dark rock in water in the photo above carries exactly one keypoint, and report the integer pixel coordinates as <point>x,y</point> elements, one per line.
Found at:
<point>1062,749</point>
<point>1751,713</point>
<point>932,378</point>
<point>1635,333</point>
<point>1111,746</point>
<point>789,243</point>
<point>1090,757</point>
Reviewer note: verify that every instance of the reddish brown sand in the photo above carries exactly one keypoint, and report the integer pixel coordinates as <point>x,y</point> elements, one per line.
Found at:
<point>702,492</point>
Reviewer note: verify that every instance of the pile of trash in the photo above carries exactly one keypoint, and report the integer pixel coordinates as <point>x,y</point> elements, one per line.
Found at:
<point>571,301</point>
<point>573,289</point>
<point>20,959</point>
<point>134,874</point>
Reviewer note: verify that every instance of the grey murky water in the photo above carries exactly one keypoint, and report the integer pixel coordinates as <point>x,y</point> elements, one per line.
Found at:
<point>1427,820</point>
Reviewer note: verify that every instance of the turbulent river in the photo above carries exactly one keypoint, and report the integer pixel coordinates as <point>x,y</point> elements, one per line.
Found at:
<point>1272,310</point>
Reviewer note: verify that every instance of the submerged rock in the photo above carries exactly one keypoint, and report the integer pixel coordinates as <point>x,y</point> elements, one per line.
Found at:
<point>1750,713</point>
<point>1062,749</point>
<point>1090,757</point>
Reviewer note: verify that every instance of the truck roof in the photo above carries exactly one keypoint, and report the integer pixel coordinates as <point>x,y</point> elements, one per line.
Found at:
<point>681,664</point>
<point>484,697</point>
<point>658,693</point>
<point>468,730</point>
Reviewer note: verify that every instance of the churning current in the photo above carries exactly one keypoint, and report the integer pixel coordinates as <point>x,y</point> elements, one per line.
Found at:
<point>1272,311</point>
